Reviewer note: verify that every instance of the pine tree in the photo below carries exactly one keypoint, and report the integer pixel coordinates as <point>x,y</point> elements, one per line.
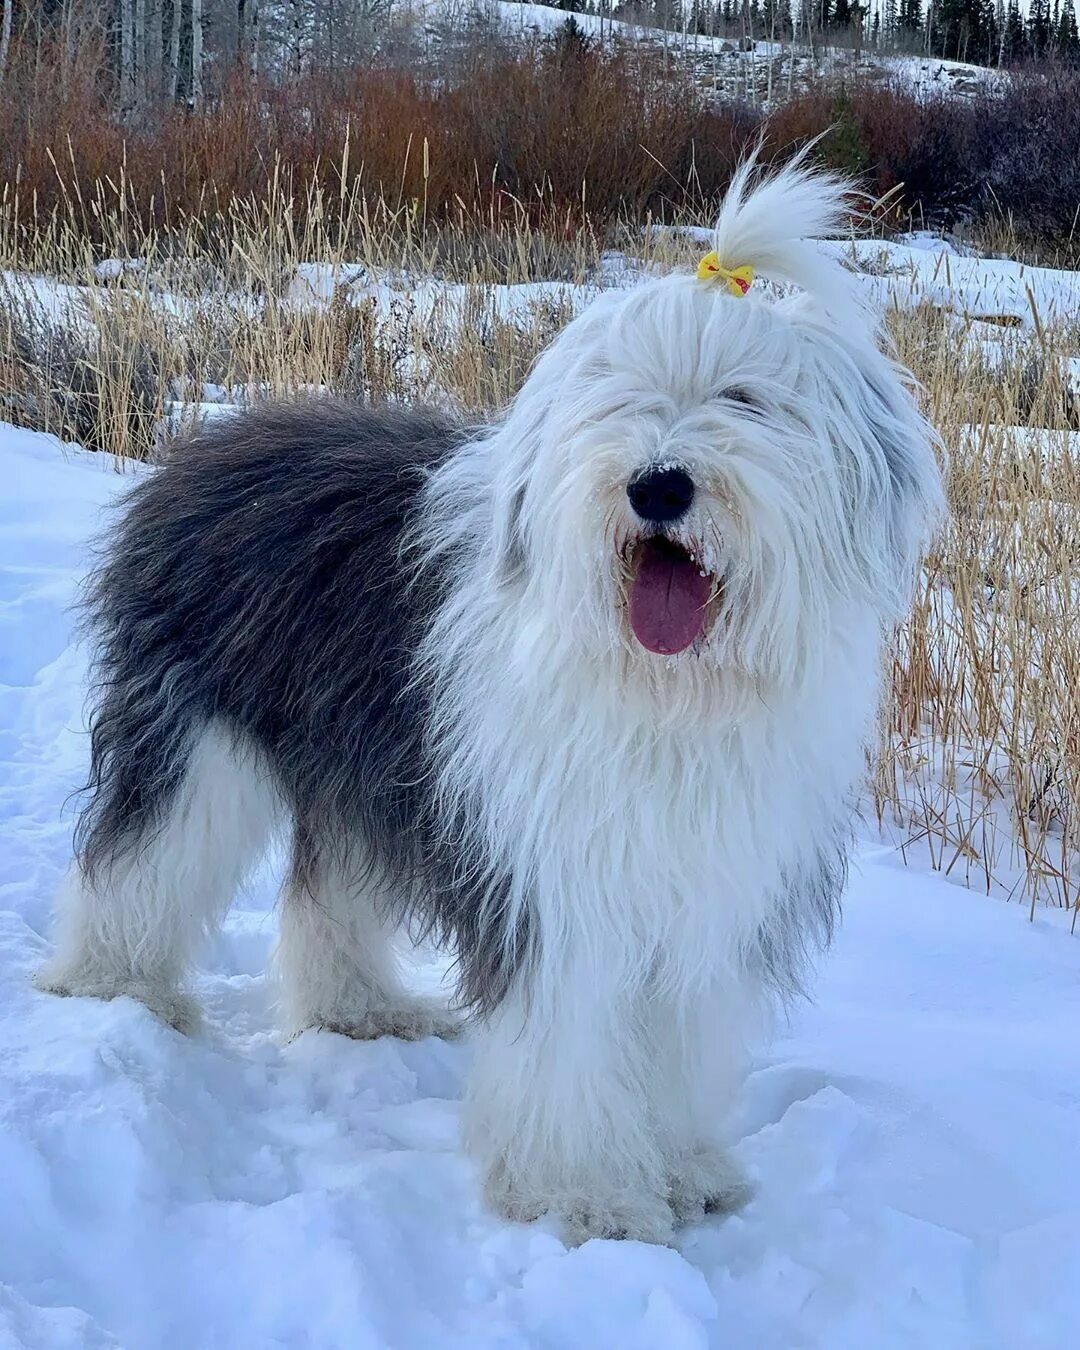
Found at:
<point>910,18</point>
<point>958,29</point>
<point>775,15</point>
<point>1038,27</point>
<point>1068,34</point>
<point>989,33</point>
<point>1015,41</point>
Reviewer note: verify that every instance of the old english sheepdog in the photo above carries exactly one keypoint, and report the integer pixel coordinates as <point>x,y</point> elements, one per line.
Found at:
<point>584,693</point>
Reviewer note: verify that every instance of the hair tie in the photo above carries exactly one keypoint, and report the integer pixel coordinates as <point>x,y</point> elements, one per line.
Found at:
<point>737,280</point>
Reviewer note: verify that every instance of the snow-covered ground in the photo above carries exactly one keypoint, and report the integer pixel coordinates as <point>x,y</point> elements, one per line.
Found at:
<point>762,72</point>
<point>924,268</point>
<point>912,1132</point>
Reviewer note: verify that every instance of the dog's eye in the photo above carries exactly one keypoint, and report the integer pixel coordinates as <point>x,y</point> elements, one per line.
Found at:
<point>740,396</point>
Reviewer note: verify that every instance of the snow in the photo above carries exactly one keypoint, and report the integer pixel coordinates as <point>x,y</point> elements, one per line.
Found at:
<point>545,19</point>
<point>930,75</point>
<point>924,268</point>
<point>993,297</point>
<point>911,1132</point>
<point>928,271</point>
<point>765,74</point>
<point>47,299</point>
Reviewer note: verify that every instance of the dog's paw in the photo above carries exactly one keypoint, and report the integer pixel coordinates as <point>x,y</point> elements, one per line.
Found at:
<point>171,1005</point>
<point>707,1180</point>
<point>633,1218</point>
<point>409,1020</point>
<point>640,1217</point>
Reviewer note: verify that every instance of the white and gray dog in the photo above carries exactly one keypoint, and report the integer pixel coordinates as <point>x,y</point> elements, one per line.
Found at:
<point>585,693</point>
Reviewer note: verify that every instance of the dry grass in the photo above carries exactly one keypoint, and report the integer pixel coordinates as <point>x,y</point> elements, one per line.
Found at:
<point>979,761</point>
<point>108,340</point>
<point>980,757</point>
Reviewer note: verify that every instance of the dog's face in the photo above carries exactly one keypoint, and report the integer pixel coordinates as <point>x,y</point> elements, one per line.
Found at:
<point>702,479</point>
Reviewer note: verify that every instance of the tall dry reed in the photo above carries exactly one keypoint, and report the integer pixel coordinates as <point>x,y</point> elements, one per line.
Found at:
<point>113,343</point>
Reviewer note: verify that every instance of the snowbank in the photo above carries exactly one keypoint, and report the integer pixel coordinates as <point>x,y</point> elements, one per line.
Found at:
<point>927,270</point>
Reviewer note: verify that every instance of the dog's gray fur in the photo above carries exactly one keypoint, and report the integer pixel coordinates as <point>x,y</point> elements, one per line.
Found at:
<point>258,581</point>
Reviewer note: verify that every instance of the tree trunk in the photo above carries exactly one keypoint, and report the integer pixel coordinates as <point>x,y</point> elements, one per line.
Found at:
<point>154,55</point>
<point>138,52</point>
<point>296,39</point>
<point>196,52</point>
<point>253,38</point>
<point>127,54</point>
<point>5,37</point>
<point>174,50</point>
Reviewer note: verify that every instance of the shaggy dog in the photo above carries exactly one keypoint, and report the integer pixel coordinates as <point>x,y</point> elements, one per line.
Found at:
<point>584,693</point>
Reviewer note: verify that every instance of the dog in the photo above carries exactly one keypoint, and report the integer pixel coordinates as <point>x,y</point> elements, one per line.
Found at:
<point>584,693</point>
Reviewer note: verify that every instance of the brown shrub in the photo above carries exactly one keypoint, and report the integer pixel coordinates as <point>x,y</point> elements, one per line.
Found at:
<point>560,131</point>
<point>563,130</point>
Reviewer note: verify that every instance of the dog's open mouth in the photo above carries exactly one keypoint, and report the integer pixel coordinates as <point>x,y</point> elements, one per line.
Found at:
<point>669,596</point>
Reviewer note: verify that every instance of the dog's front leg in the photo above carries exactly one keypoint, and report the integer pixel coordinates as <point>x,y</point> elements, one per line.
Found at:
<point>558,1113</point>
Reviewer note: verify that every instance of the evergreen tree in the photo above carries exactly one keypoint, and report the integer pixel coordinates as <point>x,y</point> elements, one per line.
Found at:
<point>982,31</point>
<point>1068,34</point>
<point>775,15</point>
<point>989,34</point>
<point>1015,36</point>
<point>1039,27</point>
<point>909,16</point>
<point>570,42</point>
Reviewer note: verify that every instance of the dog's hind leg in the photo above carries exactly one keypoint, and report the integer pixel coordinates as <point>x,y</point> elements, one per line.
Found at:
<point>336,962</point>
<point>167,851</point>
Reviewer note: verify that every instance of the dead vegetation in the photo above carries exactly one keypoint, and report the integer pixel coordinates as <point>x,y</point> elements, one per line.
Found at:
<point>113,342</point>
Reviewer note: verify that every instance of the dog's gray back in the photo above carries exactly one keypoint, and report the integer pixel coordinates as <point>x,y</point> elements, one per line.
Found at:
<point>258,581</point>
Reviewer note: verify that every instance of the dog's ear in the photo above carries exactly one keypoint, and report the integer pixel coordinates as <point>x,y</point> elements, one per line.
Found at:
<point>890,470</point>
<point>911,448</point>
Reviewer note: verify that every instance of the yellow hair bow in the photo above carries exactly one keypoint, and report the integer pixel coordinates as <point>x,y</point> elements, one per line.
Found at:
<point>737,281</point>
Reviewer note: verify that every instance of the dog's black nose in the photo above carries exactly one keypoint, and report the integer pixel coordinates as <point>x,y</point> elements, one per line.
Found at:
<point>659,495</point>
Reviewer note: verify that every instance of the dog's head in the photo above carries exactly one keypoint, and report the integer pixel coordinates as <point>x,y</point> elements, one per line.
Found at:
<point>708,478</point>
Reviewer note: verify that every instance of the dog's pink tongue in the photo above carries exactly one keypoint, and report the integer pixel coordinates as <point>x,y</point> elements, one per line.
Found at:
<point>667,599</point>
